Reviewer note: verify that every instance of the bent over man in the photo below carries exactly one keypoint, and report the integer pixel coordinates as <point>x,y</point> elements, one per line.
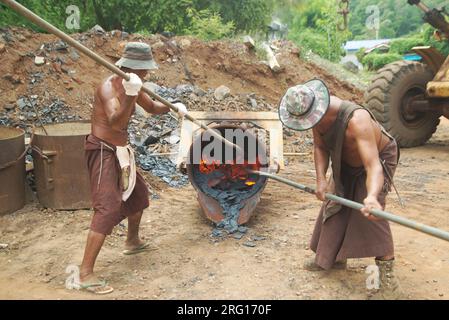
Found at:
<point>364,158</point>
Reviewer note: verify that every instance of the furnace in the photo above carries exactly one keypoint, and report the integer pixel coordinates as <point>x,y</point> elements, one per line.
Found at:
<point>227,193</point>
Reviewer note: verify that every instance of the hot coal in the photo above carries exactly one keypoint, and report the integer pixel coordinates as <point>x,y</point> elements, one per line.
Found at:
<point>230,185</point>
<point>230,181</point>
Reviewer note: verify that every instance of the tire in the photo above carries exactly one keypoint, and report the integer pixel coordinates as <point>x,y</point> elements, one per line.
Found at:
<point>393,85</point>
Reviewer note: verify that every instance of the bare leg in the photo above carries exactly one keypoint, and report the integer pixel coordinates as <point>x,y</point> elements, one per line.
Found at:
<point>133,241</point>
<point>94,243</point>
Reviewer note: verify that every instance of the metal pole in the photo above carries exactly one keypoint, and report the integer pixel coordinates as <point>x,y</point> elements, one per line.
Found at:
<point>438,233</point>
<point>52,29</point>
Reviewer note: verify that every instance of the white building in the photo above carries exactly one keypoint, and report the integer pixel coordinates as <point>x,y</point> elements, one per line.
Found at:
<point>352,47</point>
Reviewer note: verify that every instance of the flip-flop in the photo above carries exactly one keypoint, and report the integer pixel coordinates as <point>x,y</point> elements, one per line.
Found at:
<point>139,249</point>
<point>100,287</point>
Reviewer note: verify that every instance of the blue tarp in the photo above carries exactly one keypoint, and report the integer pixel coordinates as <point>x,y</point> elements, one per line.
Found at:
<point>412,57</point>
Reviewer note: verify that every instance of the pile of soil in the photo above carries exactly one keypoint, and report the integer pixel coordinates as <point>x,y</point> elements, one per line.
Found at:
<point>70,77</point>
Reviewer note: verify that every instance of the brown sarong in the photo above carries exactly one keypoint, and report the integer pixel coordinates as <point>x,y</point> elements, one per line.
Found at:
<point>348,233</point>
<point>105,175</point>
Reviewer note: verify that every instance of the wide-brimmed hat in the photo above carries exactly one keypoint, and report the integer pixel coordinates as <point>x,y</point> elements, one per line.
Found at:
<point>137,56</point>
<point>303,106</point>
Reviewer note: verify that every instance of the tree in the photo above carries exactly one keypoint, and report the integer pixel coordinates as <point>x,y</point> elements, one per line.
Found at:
<point>247,15</point>
<point>397,18</point>
<point>135,15</point>
<point>314,26</point>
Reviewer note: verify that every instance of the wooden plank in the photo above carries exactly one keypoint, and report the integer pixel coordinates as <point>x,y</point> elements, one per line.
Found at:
<point>280,144</point>
<point>234,116</point>
<point>276,144</point>
<point>185,142</point>
<point>266,120</point>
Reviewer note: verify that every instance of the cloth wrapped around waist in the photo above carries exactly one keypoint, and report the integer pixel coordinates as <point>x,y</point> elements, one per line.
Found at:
<point>125,157</point>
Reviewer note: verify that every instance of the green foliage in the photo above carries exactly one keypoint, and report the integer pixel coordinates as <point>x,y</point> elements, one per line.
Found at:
<point>405,45</point>
<point>247,15</point>
<point>360,54</point>
<point>397,18</point>
<point>313,26</point>
<point>208,25</point>
<point>442,46</point>
<point>310,40</point>
<point>154,16</point>
<point>375,61</point>
<point>51,10</point>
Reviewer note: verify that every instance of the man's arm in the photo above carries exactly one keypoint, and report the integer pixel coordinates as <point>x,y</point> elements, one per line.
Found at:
<point>116,114</point>
<point>321,157</point>
<point>361,128</point>
<point>150,106</point>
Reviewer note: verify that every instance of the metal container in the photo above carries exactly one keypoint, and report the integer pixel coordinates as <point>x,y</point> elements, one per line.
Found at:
<point>211,208</point>
<point>62,179</point>
<point>12,170</point>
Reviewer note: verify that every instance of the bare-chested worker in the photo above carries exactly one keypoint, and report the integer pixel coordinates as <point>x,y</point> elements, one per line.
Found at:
<point>364,158</point>
<point>118,191</point>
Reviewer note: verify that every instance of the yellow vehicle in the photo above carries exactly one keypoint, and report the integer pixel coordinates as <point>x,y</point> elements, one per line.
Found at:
<point>407,97</point>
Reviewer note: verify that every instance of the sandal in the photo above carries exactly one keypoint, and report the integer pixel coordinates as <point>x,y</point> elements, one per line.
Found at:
<point>96,288</point>
<point>139,249</point>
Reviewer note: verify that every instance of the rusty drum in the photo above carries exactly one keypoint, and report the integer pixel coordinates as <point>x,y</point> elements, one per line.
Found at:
<point>12,169</point>
<point>62,179</point>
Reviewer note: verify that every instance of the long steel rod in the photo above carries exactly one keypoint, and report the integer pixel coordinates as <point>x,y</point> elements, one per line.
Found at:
<point>438,233</point>
<point>52,29</point>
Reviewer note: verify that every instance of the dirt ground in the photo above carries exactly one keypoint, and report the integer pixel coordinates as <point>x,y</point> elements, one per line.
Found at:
<point>187,263</point>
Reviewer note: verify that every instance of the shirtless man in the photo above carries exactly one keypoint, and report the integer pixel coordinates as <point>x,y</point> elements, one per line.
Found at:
<point>114,104</point>
<point>364,158</point>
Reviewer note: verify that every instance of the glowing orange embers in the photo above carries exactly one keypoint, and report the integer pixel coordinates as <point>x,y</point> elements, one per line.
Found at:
<point>208,168</point>
<point>229,172</point>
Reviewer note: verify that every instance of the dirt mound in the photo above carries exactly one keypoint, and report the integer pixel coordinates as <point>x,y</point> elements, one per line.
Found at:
<point>70,78</point>
<point>66,74</point>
